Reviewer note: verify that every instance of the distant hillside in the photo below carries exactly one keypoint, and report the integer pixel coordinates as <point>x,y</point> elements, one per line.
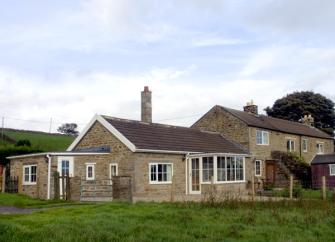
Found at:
<point>39,140</point>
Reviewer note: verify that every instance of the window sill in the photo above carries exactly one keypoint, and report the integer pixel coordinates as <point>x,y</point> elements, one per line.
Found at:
<point>264,144</point>
<point>29,183</point>
<point>223,182</point>
<point>160,183</point>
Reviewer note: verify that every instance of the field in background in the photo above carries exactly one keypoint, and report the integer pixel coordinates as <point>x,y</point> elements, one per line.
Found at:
<point>303,220</point>
<point>39,140</point>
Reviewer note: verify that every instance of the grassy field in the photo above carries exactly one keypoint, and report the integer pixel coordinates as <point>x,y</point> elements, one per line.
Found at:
<point>230,221</point>
<point>41,140</point>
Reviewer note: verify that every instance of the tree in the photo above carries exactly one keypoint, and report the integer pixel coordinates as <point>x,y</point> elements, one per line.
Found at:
<point>295,105</point>
<point>68,128</point>
<point>23,142</point>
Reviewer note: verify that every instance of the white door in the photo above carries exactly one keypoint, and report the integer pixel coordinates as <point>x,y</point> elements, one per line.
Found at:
<point>64,168</point>
<point>194,175</point>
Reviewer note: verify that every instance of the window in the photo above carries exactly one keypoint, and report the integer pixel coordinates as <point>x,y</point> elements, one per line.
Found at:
<point>304,145</point>
<point>113,170</point>
<point>160,173</point>
<point>262,137</point>
<point>332,169</point>
<point>230,169</point>
<point>90,171</point>
<point>29,174</point>
<point>319,148</point>
<point>207,169</point>
<point>258,168</point>
<point>290,145</point>
<point>221,168</point>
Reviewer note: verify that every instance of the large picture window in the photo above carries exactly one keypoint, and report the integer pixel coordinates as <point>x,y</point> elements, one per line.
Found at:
<point>29,174</point>
<point>230,168</point>
<point>207,169</point>
<point>262,137</point>
<point>160,173</point>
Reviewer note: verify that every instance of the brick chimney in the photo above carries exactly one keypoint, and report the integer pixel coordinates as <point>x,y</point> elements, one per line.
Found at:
<point>251,108</point>
<point>308,120</point>
<point>146,106</point>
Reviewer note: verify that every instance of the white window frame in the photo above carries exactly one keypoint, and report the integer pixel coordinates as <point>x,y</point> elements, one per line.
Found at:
<point>317,148</point>
<point>263,132</point>
<point>93,171</point>
<point>260,168</point>
<point>225,182</point>
<point>303,148</point>
<point>290,141</point>
<point>116,170</point>
<point>156,182</point>
<point>29,174</point>
<point>332,169</point>
<point>202,170</point>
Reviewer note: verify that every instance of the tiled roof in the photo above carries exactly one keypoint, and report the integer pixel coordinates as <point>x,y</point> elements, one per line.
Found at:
<point>152,136</point>
<point>324,159</point>
<point>281,125</point>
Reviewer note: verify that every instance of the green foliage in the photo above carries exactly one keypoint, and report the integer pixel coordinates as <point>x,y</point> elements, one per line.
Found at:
<point>294,106</point>
<point>42,141</point>
<point>238,221</point>
<point>23,142</point>
<point>15,150</point>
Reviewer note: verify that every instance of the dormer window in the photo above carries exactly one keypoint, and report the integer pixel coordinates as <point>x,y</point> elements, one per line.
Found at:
<point>262,137</point>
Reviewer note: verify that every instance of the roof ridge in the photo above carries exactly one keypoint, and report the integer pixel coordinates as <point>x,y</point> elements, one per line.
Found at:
<point>158,124</point>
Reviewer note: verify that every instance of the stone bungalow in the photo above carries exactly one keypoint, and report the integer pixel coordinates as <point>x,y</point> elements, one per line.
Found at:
<point>263,135</point>
<point>162,162</point>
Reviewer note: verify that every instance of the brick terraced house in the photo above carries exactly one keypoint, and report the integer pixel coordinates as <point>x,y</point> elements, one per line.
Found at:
<point>263,135</point>
<point>159,162</point>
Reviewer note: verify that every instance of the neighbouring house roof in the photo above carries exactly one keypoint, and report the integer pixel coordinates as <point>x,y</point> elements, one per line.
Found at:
<point>276,124</point>
<point>153,136</point>
<point>159,138</point>
<point>324,159</point>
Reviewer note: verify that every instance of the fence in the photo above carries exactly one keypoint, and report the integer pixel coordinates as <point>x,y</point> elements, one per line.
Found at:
<point>295,189</point>
<point>11,184</point>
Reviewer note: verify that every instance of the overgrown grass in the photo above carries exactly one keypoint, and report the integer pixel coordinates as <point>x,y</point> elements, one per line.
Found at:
<point>227,221</point>
<point>301,193</point>
<point>42,141</point>
<point>18,200</point>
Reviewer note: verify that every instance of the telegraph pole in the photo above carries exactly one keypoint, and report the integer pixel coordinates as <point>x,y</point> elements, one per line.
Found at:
<point>3,124</point>
<point>50,125</point>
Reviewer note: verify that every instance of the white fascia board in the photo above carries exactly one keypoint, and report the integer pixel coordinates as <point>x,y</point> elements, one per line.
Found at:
<point>109,127</point>
<point>218,154</point>
<point>58,154</point>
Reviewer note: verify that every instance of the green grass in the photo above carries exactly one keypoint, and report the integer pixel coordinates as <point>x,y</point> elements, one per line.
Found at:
<point>22,201</point>
<point>42,141</point>
<point>230,221</point>
<point>305,193</point>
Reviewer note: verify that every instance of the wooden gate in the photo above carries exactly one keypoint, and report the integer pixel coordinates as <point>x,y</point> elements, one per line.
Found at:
<point>62,187</point>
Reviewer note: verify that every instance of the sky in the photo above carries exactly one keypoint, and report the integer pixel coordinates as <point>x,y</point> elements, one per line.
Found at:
<point>68,60</point>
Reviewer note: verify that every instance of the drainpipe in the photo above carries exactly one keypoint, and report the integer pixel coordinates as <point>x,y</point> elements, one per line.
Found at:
<point>49,175</point>
<point>186,172</point>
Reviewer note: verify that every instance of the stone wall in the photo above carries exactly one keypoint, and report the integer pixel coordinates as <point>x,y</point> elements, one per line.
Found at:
<point>39,190</point>
<point>218,120</point>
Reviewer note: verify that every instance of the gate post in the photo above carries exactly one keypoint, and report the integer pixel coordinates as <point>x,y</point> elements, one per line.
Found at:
<point>56,185</point>
<point>3,180</point>
<point>68,190</point>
